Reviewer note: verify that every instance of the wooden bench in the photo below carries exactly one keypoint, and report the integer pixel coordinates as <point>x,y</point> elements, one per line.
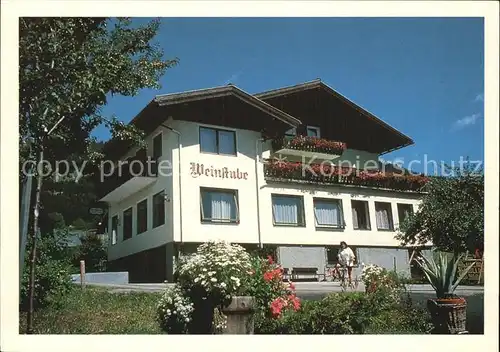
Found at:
<point>310,273</point>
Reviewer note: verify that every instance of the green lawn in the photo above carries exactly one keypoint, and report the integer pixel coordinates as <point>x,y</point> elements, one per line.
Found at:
<point>96,311</point>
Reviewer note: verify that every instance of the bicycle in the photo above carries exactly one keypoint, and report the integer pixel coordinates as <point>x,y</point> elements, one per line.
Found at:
<point>338,273</point>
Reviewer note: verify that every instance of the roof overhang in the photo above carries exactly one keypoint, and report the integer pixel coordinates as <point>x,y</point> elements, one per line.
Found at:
<point>132,186</point>
<point>210,93</point>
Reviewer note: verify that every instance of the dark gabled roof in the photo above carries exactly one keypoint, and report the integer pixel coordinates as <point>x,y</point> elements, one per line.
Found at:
<point>317,83</point>
<point>208,93</point>
<point>149,117</point>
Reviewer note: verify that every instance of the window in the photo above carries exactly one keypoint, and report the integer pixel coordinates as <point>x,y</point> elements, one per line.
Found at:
<point>219,205</point>
<point>157,147</point>
<point>127,224</point>
<point>142,216</point>
<point>313,131</point>
<point>114,229</point>
<point>332,255</point>
<point>158,209</point>
<point>383,214</point>
<point>292,132</point>
<point>328,213</point>
<point>217,141</point>
<point>288,210</point>
<point>403,211</point>
<point>360,215</point>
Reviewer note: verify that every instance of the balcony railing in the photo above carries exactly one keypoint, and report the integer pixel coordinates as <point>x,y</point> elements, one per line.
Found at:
<point>331,174</point>
<point>308,144</point>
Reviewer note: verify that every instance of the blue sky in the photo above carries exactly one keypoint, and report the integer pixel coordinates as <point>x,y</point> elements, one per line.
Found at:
<point>422,76</point>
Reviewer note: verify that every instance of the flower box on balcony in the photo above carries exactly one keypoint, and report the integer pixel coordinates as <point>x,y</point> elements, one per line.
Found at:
<point>321,173</point>
<point>308,145</point>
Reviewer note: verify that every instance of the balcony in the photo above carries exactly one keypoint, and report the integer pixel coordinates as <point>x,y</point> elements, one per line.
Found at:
<point>330,174</point>
<point>309,147</point>
<point>133,175</point>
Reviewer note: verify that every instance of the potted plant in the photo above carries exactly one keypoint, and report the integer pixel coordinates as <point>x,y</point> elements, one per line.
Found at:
<point>448,311</point>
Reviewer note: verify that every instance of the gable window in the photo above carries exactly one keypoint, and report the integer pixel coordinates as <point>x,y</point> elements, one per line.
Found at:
<point>217,141</point>
<point>288,210</point>
<point>142,216</point>
<point>127,224</point>
<point>328,213</point>
<point>383,214</point>
<point>313,131</point>
<point>332,255</point>
<point>404,210</point>
<point>360,215</point>
<point>157,146</point>
<point>114,229</point>
<point>158,209</point>
<point>292,132</point>
<point>219,205</point>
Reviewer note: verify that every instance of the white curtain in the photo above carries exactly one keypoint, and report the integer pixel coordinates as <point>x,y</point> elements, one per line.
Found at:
<point>286,210</point>
<point>355,222</point>
<point>219,206</point>
<point>208,140</point>
<point>226,142</point>
<point>327,213</point>
<point>382,215</point>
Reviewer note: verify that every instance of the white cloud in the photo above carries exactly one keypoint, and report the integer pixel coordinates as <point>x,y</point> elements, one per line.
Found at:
<point>234,77</point>
<point>466,121</point>
<point>479,97</point>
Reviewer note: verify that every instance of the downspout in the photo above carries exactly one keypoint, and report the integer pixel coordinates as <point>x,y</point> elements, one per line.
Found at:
<point>257,157</point>
<point>179,146</point>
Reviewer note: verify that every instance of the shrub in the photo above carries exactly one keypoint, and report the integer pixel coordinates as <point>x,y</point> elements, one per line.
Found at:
<point>52,271</point>
<point>174,311</point>
<point>338,313</point>
<point>52,281</point>
<point>92,251</point>
<point>401,319</point>
<point>388,286</point>
<point>272,295</point>
<point>348,313</point>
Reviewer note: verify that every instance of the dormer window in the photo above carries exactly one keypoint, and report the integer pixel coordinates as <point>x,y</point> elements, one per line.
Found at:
<point>313,132</point>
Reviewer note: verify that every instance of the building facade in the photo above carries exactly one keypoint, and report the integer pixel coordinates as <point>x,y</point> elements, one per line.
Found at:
<point>295,169</point>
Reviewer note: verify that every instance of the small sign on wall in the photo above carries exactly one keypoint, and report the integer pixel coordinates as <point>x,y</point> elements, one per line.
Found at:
<point>198,169</point>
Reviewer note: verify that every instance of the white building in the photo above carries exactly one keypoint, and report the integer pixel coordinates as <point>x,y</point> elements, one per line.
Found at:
<point>226,172</point>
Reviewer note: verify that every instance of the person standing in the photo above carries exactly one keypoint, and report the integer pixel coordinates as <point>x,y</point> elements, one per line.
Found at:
<point>346,259</point>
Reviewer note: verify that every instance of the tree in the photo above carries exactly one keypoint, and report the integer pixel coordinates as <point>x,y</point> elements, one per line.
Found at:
<point>68,67</point>
<point>92,251</point>
<point>451,214</point>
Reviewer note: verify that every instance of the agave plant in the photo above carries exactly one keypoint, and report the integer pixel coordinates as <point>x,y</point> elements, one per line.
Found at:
<point>442,273</point>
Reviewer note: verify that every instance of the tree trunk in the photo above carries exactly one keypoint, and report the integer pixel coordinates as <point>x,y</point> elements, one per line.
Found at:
<point>36,230</point>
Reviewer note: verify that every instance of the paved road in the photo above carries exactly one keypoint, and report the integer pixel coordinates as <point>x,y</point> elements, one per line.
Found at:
<point>317,290</point>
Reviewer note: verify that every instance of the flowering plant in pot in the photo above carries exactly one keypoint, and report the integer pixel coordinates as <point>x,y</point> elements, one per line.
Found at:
<point>207,282</point>
<point>308,143</point>
<point>448,310</point>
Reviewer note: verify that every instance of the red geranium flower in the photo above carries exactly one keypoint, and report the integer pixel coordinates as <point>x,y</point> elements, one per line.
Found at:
<point>268,276</point>
<point>277,306</point>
